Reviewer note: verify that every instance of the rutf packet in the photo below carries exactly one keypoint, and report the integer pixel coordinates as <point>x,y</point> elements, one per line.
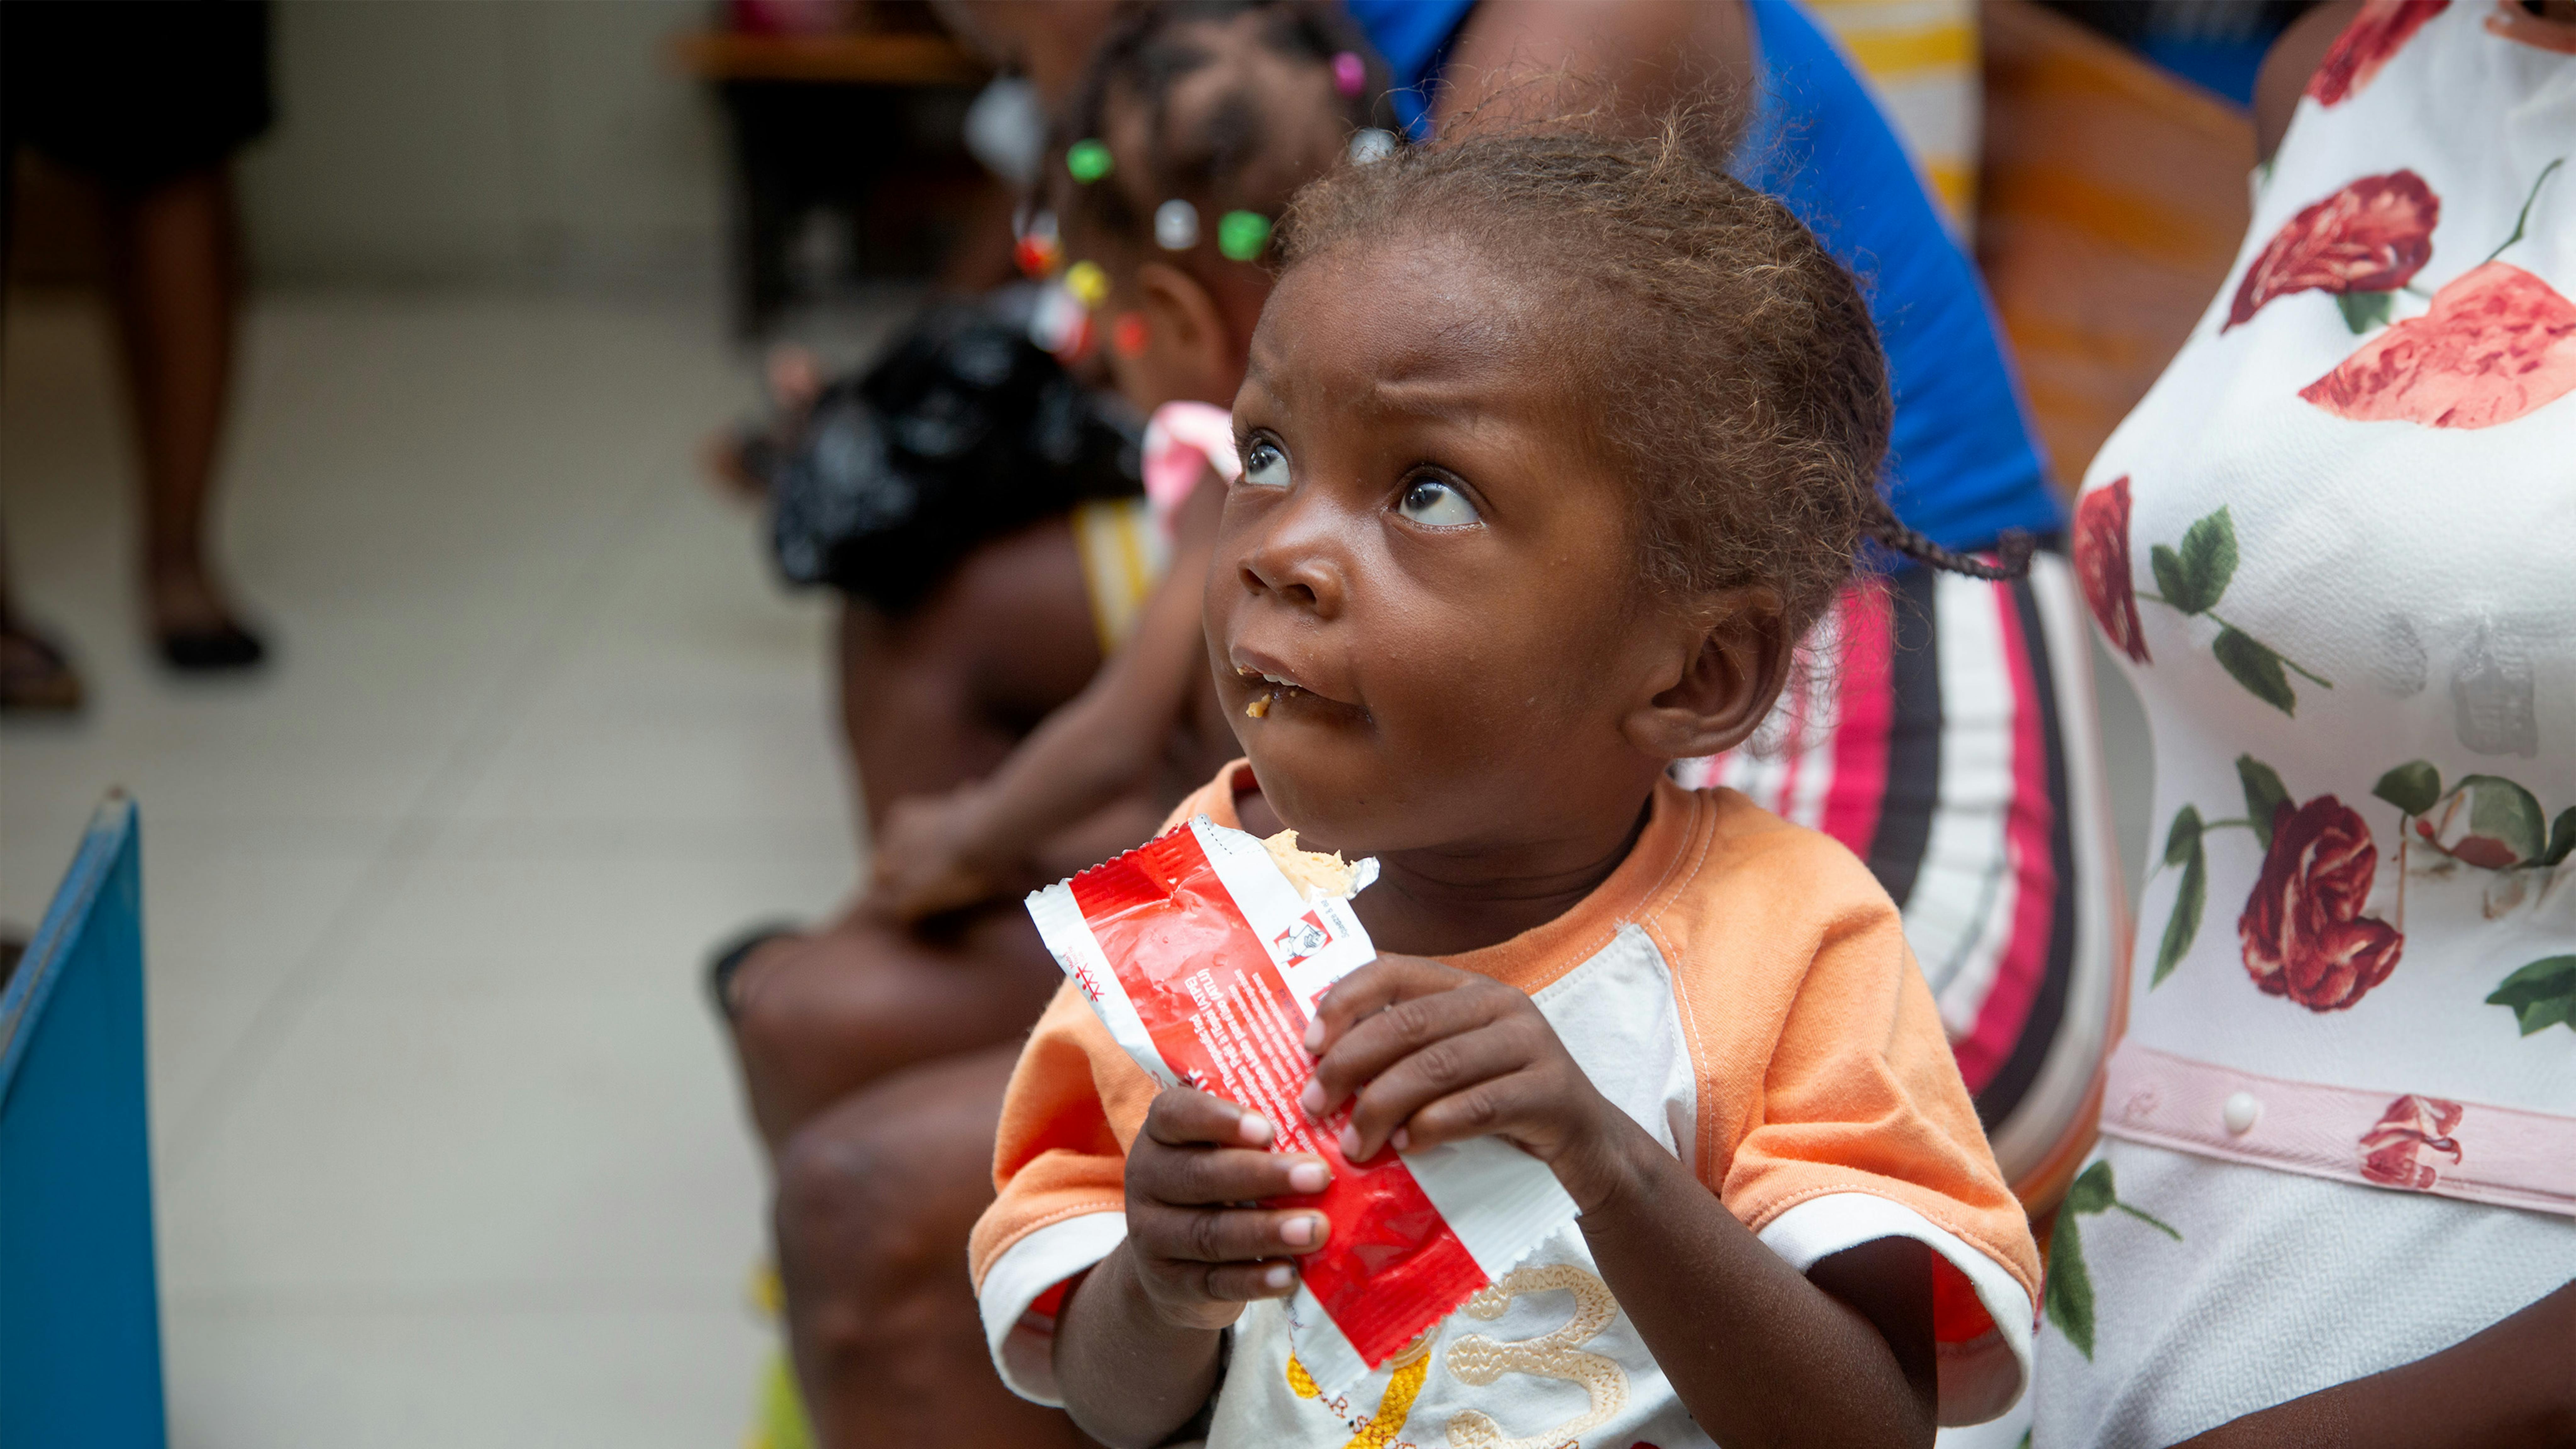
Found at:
<point>1205,961</point>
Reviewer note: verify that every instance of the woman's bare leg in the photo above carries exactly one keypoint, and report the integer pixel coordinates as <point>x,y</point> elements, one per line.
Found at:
<point>875,1200</point>
<point>817,1017</point>
<point>177,264</point>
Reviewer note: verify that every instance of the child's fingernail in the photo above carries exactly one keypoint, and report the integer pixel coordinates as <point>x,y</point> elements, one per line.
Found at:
<point>1315,1035</point>
<point>1312,1098</point>
<point>1308,1177</point>
<point>1350,1141</point>
<point>1297,1232</point>
<point>1255,1129</point>
<point>1400,1139</point>
<point>1278,1275</point>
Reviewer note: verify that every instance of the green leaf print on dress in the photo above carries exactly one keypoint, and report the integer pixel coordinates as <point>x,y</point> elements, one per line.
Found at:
<point>2192,579</point>
<point>2182,847</point>
<point>2067,1295</point>
<point>2264,797</point>
<point>2541,995</point>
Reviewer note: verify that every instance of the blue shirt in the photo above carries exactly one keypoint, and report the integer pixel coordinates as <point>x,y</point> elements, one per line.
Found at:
<point>1962,464</point>
<point>1412,37</point>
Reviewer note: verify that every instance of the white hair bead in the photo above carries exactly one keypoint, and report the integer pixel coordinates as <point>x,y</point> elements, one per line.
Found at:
<point>1176,225</point>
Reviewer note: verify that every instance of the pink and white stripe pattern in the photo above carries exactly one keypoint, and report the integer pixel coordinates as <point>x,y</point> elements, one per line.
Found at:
<point>1941,728</point>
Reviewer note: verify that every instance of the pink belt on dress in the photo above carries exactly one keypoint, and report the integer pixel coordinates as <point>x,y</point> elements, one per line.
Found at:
<point>2499,1155</point>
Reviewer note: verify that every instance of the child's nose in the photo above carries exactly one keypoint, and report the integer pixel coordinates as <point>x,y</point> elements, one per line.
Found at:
<point>1300,559</point>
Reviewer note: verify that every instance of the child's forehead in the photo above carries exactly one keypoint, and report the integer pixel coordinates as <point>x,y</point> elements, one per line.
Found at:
<point>1423,314</point>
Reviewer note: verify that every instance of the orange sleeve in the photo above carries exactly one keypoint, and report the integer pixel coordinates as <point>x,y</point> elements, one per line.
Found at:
<point>1074,1103</point>
<point>1831,1110</point>
<point>1861,1092</point>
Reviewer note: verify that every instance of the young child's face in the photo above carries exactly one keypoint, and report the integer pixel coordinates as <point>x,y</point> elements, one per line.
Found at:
<point>1427,546</point>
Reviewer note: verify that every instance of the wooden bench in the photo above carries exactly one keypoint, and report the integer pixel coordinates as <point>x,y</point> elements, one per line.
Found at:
<point>864,125</point>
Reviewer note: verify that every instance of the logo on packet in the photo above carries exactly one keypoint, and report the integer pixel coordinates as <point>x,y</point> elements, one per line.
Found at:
<point>1303,938</point>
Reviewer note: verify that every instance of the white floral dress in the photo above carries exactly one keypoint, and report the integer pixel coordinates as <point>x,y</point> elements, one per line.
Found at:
<point>2336,549</point>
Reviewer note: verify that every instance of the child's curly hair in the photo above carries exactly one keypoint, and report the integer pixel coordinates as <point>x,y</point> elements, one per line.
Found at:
<point>1235,156</point>
<point>1740,381</point>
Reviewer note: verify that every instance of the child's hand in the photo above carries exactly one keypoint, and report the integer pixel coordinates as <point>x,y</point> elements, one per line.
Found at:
<point>1198,1256</point>
<point>1437,1055</point>
<point>926,858</point>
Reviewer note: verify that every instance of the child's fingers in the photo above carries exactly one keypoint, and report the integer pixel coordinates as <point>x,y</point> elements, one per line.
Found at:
<point>1495,1105</point>
<point>1373,988</point>
<point>1188,1117</point>
<point>1224,1235</point>
<point>1191,1176</point>
<point>1375,1043</point>
<point>1248,1282</point>
<point>1454,1069</point>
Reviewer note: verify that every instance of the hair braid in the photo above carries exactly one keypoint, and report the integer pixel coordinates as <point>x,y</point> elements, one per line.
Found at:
<point>2012,548</point>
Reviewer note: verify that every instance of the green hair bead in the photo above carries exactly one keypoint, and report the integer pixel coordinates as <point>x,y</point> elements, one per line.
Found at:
<point>1088,161</point>
<point>1242,234</point>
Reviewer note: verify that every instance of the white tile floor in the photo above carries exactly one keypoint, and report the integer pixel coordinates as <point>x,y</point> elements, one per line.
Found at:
<point>448,1150</point>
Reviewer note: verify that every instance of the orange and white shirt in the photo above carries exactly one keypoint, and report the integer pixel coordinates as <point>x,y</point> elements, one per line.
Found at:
<point>1742,988</point>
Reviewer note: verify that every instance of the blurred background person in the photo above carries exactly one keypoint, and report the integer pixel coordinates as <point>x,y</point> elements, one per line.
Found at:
<point>148,102</point>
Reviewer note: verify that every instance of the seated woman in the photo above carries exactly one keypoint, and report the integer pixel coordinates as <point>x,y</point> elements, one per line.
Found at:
<point>2330,547</point>
<point>1954,755</point>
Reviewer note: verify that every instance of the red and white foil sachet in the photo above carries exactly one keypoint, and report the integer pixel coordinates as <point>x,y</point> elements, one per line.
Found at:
<point>1205,963</point>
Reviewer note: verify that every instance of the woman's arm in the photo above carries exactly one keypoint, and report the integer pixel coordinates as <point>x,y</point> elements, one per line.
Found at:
<point>2288,65</point>
<point>2512,1386</point>
<point>971,845</point>
<point>1526,60</point>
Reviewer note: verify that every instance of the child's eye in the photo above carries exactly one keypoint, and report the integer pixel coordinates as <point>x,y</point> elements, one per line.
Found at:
<point>1264,466</point>
<point>1435,504</point>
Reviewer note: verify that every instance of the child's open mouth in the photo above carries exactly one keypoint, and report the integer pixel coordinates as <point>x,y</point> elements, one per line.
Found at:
<point>1269,689</point>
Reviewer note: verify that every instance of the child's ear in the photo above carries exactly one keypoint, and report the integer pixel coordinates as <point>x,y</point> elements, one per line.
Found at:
<point>1731,672</point>
<point>1193,352</point>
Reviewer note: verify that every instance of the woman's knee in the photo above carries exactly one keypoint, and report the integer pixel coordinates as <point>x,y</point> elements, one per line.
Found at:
<point>808,1025</point>
<point>877,1196</point>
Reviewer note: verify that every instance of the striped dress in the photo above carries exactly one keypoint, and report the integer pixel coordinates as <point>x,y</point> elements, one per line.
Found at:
<point>1942,729</point>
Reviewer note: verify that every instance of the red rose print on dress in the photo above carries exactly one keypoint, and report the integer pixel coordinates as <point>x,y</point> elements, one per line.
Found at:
<point>2366,44</point>
<point>2392,1152</point>
<point>2497,343</point>
<point>2303,932</point>
<point>2372,236</point>
<point>2102,566</point>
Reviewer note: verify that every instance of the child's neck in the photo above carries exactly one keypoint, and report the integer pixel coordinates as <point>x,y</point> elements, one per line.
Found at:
<point>1450,900</point>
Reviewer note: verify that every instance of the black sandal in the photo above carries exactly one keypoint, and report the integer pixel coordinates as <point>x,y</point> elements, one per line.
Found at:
<point>728,960</point>
<point>205,651</point>
<point>35,678</point>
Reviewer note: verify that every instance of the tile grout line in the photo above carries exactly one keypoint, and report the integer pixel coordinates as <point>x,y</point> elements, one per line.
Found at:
<point>583,600</point>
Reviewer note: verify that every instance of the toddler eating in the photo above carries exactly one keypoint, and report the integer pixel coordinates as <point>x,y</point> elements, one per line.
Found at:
<point>1553,446</point>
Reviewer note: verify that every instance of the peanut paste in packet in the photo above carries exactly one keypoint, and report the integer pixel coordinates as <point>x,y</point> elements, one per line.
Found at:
<point>1204,951</point>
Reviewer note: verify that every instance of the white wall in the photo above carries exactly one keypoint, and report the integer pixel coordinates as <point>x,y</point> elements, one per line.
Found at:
<point>530,142</point>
